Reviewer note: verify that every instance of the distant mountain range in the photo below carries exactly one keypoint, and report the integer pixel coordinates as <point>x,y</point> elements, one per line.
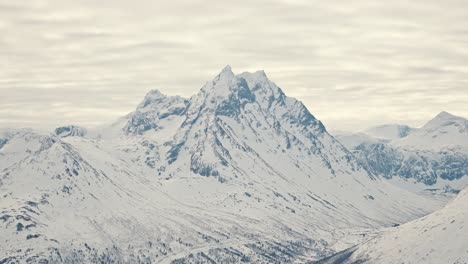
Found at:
<point>389,132</point>
<point>435,154</point>
<point>239,172</point>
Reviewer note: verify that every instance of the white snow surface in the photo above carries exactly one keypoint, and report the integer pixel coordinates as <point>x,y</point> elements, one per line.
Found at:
<point>351,140</point>
<point>440,237</point>
<point>237,172</point>
<point>435,155</point>
<point>443,131</point>
<point>389,131</point>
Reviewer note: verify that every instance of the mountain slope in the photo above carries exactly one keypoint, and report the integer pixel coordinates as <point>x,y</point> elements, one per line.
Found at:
<point>70,131</point>
<point>444,131</point>
<point>238,172</point>
<point>435,154</point>
<point>390,131</point>
<point>437,238</point>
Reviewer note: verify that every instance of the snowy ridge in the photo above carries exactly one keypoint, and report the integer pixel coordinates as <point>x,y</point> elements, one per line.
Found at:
<point>445,131</point>
<point>70,131</point>
<point>238,172</point>
<point>390,131</point>
<point>153,110</point>
<point>435,152</point>
<point>437,238</point>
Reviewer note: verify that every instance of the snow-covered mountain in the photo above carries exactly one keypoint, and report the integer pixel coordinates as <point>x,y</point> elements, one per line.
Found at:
<point>238,172</point>
<point>153,110</point>
<point>390,131</point>
<point>436,238</point>
<point>70,131</point>
<point>435,155</point>
<point>444,131</point>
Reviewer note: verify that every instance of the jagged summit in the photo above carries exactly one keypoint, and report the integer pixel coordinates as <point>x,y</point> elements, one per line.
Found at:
<point>227,81</point>
<point>257,75</point>
<point>260,113</point>
<point>154,108</point>
<point>227,70</point>
<point>154,98</point>
<point>221,87</point>
<point>226,73</point>
<point>228,95</point>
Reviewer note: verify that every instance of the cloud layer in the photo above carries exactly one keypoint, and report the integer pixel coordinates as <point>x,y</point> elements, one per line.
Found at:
<point>354,64</point>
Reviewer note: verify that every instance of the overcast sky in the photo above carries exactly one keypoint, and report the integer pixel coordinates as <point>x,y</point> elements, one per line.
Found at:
<point>353,63</point>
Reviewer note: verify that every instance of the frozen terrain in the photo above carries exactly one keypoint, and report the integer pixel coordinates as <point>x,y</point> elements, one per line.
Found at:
<point>440,237</point>
<point>433,158</point>
<point>239,172</point>
<point>391,131</point>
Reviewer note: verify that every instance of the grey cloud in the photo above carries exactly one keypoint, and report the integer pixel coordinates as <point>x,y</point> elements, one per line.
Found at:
<point>90,61</point>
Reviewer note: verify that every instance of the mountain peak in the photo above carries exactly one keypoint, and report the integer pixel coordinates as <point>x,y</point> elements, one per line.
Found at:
<point>227,68</point>
<point>151,98</point>
<point>389,131</point>
<point>445,115</point>
<point>442,119</point>
<point>227,81</point>
<point>221,82</point>
<point>154,93</point>
<point>70,131</point>
<point>154,107</point>
<point>257,74</point>
<point>226,73</point>
<point>254,77</point>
